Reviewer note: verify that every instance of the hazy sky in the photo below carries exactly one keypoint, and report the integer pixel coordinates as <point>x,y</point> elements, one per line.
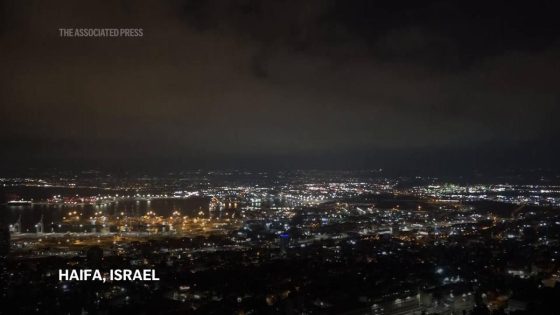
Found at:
<point>316,83</point>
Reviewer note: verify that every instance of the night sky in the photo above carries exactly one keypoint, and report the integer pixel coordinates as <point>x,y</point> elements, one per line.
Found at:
<point>436,86</point>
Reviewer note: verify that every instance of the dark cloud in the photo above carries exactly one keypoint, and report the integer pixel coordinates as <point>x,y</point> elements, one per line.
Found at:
<point>268,83</point>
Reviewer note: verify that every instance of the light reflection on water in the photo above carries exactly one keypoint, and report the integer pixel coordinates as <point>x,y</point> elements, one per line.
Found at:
<point>53,214</point>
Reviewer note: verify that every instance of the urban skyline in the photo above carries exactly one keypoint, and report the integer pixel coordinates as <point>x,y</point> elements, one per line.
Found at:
<point>279,157</point>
